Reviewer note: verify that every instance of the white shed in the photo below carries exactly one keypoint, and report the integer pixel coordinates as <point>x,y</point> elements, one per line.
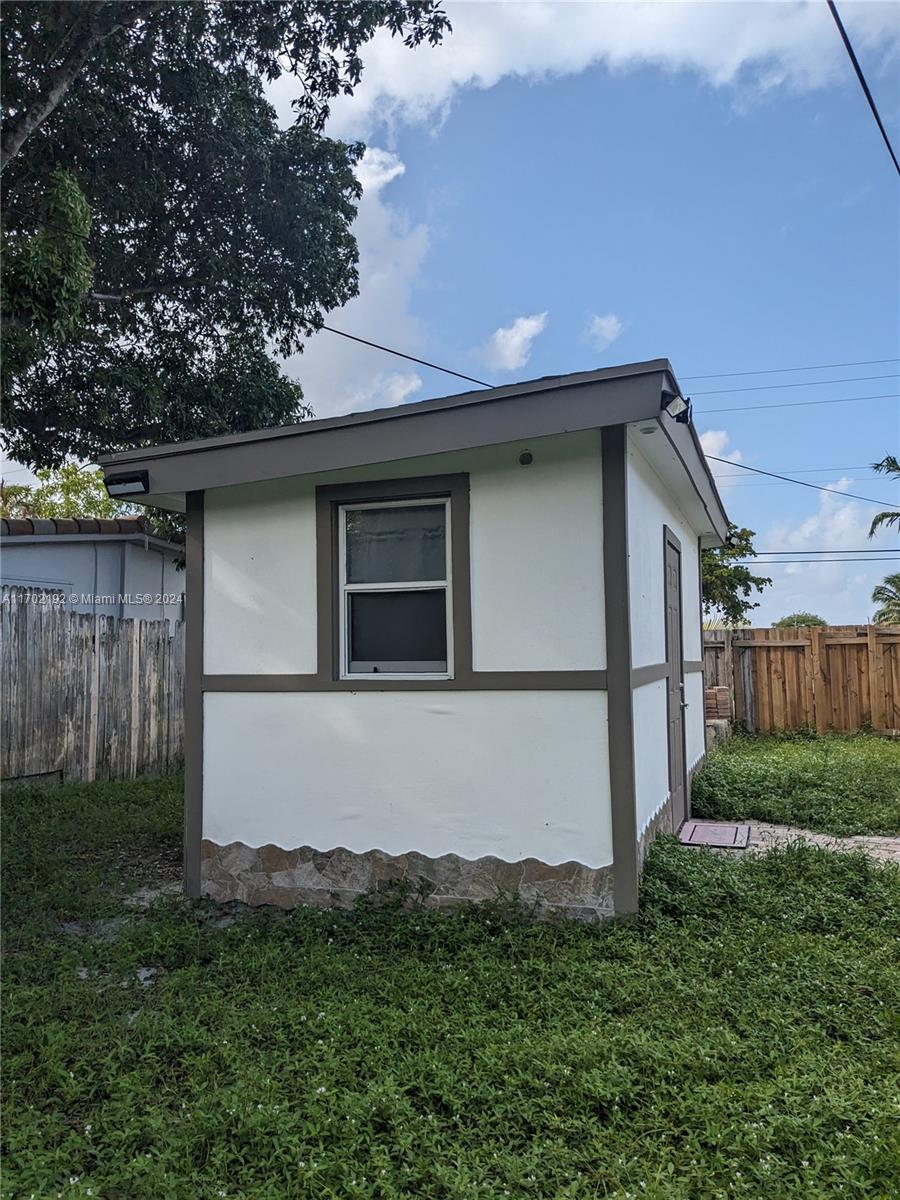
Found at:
<point>455,642</point>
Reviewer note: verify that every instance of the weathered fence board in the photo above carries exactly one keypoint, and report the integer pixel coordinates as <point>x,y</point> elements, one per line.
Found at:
<point>87,697</point>
<point>842,677</point>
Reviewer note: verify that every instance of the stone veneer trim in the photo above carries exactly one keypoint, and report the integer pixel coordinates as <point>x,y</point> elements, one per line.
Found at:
<point>334,878</point>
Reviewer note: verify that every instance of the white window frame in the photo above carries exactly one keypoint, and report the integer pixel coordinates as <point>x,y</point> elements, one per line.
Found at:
<point>429,585</point>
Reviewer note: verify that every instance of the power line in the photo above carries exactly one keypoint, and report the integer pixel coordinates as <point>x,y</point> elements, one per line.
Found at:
<point>780,483</point>
<point>814,562</point>
<point>801,471</point>
<point>862,83</point>
<point>701,411</point>
<point>797,403</point>
<point>870,362</point>
<point>864,550</point>
<point>411,357</point>
<point>772,387</point>
<point>799,482</point>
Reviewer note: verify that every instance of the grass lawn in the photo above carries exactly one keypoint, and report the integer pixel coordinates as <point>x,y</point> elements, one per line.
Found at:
<point>837,784</point>
<point>740,1039</point>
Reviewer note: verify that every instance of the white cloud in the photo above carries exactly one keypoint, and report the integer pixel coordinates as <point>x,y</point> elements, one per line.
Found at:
<point>339,376</point>
<point>509,347</point>
<point>385,390</point>
<point>838,591</point>
<point>603,331</point>
<point>749,46</point>
<point>715,442</point>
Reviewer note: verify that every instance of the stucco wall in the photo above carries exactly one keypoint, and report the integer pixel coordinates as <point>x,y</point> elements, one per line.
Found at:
<point>650,507</point>
<point>695,722</point>
<point>536,544</point>
<point>512,774</point>
<point>651,761</point>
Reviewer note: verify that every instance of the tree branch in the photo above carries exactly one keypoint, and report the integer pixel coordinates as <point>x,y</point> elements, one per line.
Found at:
<point>150,289</point>
<point>102,21</point>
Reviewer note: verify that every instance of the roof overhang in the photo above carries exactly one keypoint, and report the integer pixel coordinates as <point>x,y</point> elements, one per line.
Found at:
<point>538,408</point>
<point>146,541</point>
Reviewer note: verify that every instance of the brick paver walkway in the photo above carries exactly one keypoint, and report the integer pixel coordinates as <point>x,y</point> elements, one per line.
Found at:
<point>764,835</point>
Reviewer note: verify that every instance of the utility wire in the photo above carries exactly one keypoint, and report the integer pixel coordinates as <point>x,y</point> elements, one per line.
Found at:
<point>790,404</point>
<point>411,357</point>
<point>810,561</point>
<point>865,550</point>
<point>780,483</point>
<point>799,482</point>
<point>870,362</point>
<point>797,403</point>
<point>862,83</point>
<point>771,387</point>
<point>800,471</point>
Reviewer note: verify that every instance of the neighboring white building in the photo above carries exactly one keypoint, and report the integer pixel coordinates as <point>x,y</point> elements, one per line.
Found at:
<point>111,568</point>
<point>456,641</point>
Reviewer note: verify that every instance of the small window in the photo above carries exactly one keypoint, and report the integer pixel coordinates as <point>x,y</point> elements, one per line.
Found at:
<point>395,603</point>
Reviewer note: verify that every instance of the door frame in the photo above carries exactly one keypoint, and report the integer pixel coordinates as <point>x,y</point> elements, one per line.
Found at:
<point>675,671</point>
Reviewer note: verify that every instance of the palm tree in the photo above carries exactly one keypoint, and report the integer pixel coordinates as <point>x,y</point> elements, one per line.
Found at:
<point>888,466</point>
<point>887,594</point>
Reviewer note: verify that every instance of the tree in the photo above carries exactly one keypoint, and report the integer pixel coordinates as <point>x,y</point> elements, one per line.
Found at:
<point>727,582</point>
<point>889,465</point>
<point>163,236</point>
<point>887,595</point>
<point>798,619</point>
<point>72,491</point>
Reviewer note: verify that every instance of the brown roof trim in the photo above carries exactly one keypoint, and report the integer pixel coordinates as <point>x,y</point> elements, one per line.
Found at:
<point>547,383</point>
<point>517,412</point>
<point>79,526</point>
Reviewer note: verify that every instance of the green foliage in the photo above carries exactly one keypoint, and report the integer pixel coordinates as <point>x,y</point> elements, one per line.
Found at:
<point>887,596</point>
<point>216,235</point>
<point>799,619</point>
<point>837,784</point>
<point>71,491</point>
<point>729,584</point>
<point>889,466</point>
<point>737,1040</point>
<point>46,271</point>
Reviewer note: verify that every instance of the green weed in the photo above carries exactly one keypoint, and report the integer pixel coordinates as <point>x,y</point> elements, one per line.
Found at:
<point>740,1039</point>
<point>837,784</point>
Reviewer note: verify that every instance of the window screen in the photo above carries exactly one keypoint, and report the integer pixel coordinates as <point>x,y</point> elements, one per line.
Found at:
<point>395,588</point>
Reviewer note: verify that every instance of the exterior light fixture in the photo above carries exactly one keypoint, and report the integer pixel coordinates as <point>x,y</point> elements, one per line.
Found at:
<point>648,429</point>
<point>134,484</point>
<point>676,406</point>
<point>526,458</point>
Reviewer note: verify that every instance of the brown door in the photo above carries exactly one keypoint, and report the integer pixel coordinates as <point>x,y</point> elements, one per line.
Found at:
<point>675,661</point>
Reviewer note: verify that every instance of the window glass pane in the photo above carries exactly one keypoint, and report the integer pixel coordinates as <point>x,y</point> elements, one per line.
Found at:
<point>399,544</point>
<point>398,631</point>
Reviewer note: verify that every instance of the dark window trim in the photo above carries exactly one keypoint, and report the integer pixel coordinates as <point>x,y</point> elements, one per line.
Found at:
<point>329,498</point>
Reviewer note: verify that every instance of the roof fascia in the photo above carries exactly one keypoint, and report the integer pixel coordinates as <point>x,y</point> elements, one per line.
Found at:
<point>431,427</point>
<point>52,539</point>
<point>459,400</point>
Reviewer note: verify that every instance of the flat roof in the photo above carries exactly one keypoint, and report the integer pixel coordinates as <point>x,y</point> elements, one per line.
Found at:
<point>531,409</point>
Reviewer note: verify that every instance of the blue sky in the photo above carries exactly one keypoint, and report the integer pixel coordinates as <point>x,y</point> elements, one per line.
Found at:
<point>565,186</point>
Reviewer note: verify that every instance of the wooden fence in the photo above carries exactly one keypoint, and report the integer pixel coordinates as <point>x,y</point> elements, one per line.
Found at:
<point>842,677</point>
<point>87,697</point>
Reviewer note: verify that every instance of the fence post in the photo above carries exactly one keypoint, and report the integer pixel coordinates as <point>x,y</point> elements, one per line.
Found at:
<point>815,637</point>
<point>876,678</point>
<point>90,767</point>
